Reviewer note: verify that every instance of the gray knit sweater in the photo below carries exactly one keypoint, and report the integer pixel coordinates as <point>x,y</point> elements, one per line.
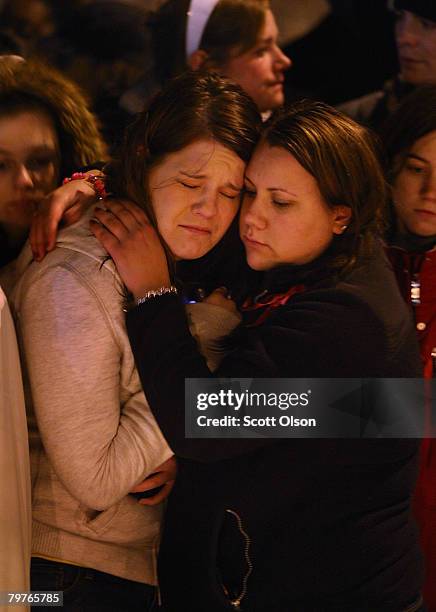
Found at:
<point>94,436</point>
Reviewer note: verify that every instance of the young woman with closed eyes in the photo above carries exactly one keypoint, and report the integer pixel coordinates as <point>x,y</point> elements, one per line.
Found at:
<point>183,163</point>
<point>277,525</point>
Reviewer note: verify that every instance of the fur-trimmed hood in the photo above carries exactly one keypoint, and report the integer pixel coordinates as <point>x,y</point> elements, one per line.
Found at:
<point>78,132</point>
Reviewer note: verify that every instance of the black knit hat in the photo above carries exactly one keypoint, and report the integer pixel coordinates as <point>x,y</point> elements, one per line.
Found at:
<point>423,8</point>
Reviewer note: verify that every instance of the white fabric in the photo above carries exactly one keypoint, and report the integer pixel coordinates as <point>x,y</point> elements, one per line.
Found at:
<point>198,16</point>
<point>15,512</point>
<point>298,18</point>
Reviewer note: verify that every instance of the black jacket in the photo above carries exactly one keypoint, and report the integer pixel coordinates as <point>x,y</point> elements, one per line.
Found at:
<point>328,520</point>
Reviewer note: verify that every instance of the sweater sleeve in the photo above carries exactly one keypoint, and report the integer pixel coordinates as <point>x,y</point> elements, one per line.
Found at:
<point>100,440</point>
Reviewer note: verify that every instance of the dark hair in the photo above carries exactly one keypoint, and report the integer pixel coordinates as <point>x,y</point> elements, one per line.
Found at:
<point>413,119</point>
<point>192,107</point>
<point>232,28</point>
<point>422,8</point>
<point>33,86</point>
<point>343,158</point>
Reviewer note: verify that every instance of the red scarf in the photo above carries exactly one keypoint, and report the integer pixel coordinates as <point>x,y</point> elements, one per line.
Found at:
<point>269,303</point>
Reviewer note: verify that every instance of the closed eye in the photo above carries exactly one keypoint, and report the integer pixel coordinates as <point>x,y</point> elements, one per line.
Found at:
<point>230,196</point>
<point>187,185</point>
<point>281,203</point>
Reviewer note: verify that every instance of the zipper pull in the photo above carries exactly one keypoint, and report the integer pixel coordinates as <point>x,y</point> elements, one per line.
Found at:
<point>260,296</point>
<point>415,290</point>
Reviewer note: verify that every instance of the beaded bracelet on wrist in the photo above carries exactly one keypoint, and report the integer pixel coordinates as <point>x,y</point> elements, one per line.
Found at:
<point>155,293</point>
<point>95,180</point>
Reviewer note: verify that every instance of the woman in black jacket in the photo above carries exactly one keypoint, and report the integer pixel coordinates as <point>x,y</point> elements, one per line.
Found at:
<point>278,525</point>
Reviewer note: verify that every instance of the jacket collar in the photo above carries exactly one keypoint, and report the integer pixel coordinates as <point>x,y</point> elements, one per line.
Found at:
<point>411,243</point>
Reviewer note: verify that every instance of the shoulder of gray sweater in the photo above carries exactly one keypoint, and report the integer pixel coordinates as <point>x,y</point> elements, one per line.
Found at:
<point>71,263</point>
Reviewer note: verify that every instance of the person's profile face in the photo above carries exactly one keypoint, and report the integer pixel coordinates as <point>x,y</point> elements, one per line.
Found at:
<point>284,218</point>
<point>29,162</point>
<point>195,194</point>
<point>414,188</point>
<point>416,47</point>
<point>259,71</point>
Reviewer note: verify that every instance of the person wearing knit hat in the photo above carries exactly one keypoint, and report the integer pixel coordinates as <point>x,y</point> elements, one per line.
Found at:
<point>426,9</point>
<point>415,35</point>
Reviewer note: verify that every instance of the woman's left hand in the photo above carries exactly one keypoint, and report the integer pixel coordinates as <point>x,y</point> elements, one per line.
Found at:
<point>124,231</point>
<point>164,476</point>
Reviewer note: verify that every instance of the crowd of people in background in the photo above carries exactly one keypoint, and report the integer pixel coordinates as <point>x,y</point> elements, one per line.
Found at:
<point>212,189</point>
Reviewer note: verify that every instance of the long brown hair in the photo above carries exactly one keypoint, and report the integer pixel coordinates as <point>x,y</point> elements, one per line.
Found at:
<point>413,119</point>
<point>30,85</point>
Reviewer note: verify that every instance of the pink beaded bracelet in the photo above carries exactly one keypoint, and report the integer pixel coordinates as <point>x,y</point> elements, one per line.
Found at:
<point>95,180</point>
